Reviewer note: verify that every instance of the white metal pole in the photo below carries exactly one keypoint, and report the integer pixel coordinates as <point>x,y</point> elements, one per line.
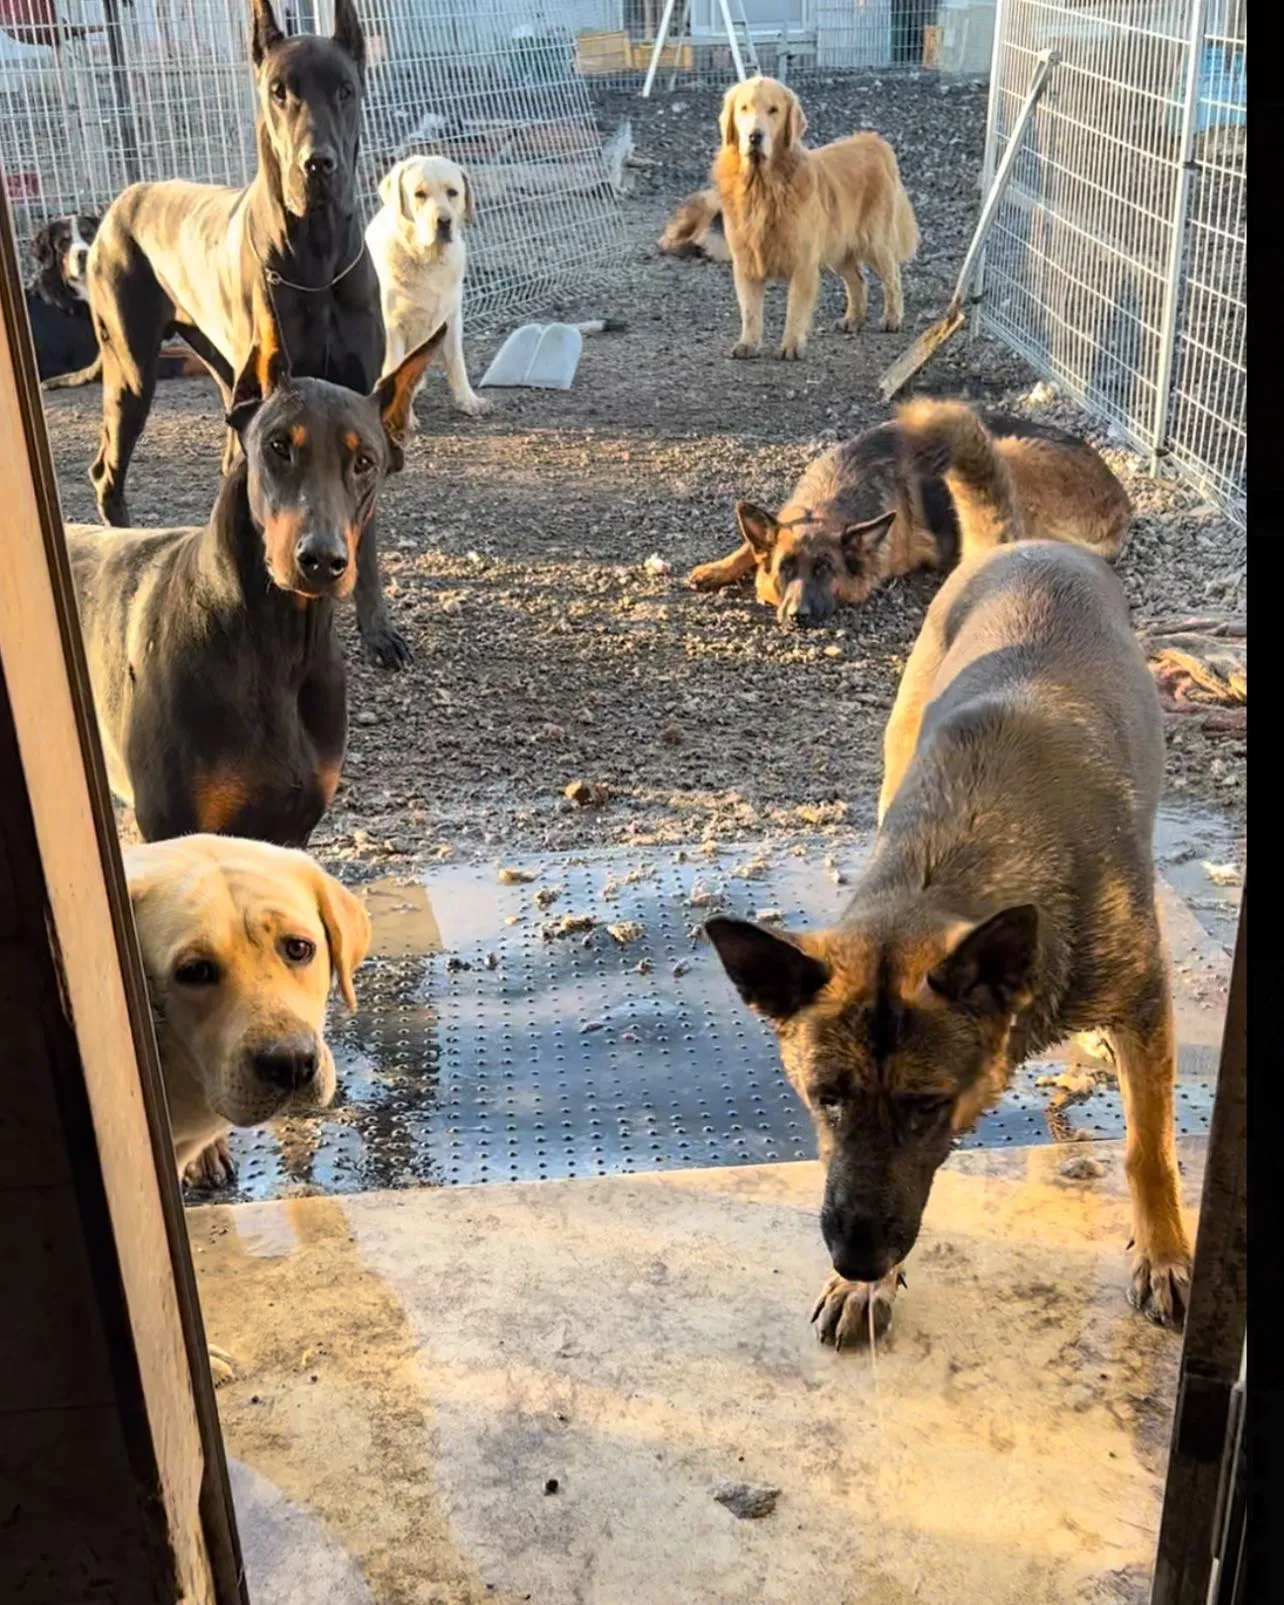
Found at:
<point>991,144</point>
<point>1177,247</point>
<point>661,34</point>
<point>732,40</point>
<point>679,42</point>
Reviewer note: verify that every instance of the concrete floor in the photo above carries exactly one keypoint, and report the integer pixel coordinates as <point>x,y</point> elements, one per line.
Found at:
<point>415,1365</point>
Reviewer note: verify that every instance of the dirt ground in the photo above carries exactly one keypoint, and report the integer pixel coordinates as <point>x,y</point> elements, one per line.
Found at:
<point>515,546</point>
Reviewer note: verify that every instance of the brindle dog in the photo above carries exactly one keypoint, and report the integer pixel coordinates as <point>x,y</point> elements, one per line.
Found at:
<point>218,680</point>
<point>1008,903</point>
<point>209,264</point>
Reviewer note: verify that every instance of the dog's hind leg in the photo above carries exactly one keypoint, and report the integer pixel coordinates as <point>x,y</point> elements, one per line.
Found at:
<point>726,571</point>
<point>127,399</point>
<point>857,296</point>
<point>804,287</point>
<point>889,273</point>
<point>750,293</point>
<point>1146,1052</point>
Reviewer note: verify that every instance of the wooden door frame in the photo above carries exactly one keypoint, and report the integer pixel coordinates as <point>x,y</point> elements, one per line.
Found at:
<point>91,936</point>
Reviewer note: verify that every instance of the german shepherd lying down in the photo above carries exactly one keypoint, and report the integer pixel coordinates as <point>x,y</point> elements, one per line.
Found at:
<point>1008,903</point>
<point>939,482</point>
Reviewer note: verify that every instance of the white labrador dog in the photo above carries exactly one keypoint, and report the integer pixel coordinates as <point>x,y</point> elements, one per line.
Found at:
<point>416,240</point>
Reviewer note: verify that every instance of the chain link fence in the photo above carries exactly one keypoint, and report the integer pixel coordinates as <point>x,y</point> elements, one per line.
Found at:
<point>1117,261</point>
<point>96,94</point>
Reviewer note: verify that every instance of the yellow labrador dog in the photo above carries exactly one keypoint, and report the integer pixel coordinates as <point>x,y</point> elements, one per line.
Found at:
<point>788,212</point>
<point>241,942</point>
<point>416,240</point>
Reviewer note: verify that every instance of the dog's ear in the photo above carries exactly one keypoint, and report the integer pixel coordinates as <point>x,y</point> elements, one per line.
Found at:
<point>470,210</point>
<point>347,32</point>
<point>392,188</point>
<point>759,528</point>
<point>859,540</point>
<point>265,35</point>
<point>347,929</point>
<point>267,368</point>
<point>42,245</point>
<point>795,119</point>
<point>395,391</point>
<point>727,116</point>
<point>989,970</point>
<point>771,973</point>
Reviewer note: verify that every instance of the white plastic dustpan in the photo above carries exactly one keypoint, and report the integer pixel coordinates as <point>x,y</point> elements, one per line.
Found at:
<point>538,356</point>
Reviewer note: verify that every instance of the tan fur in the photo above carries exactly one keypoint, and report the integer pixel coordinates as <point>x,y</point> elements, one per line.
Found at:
<point>690,230</point>
<point>789,212</point>
<point>234,903</point>
<point>1003,489</point>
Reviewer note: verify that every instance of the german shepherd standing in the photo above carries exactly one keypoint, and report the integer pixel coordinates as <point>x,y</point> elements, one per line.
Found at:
<point>1008,903</point>
<point>204,262</point>
<point>938,483</point>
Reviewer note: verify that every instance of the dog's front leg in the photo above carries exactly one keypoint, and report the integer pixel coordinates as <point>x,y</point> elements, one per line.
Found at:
<point>750,293</point>
<point>384,642</point>
<point>1146,1052</point>
<point>842,1313</point>
<point>804,287</point>
<point>452,351</point>
<point>726,571</point>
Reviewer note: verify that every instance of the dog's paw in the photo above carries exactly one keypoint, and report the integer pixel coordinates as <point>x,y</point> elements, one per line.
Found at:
<point>743,350</point>
<point>792,351</point>
<point>849,325</point>
<point>841,1315</point>
<point>1161,1286</point>
<point>890,325</point>
<point>387,646</point>
<point>474,405</point>
<point>212,1167</point>
<point>222,1366</point>
<point>705,577</point>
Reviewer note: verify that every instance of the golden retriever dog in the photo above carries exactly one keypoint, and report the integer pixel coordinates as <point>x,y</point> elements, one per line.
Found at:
<point>789,211</point>
<point>416,240</point>
<point>938,483</point>
<point>241,941</point>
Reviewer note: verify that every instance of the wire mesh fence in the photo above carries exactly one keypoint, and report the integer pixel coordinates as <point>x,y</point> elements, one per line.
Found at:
<point>616,39</point>
<point>96,94</point>
<point>1116,264</point>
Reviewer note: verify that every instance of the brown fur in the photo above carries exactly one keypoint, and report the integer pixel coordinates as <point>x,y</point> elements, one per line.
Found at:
<point>916,494</point>
<point>1008,903</point>
<point>693,231</point>
<point>789,212</point>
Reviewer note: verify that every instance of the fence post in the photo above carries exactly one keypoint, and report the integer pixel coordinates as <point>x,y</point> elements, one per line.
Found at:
<point>1181,209</point>
<point>991,145</point>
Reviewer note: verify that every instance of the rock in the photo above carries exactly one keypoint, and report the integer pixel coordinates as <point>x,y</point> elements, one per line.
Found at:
<point>367,718</point>
<point>1081,1169</point>
<point>546,896</point>
<point>768,916</point>
<point>748,1500</point>
<point>512,876</point>
<point>626,931</point>
<point>672,735</point>
<point>588,793</point>
<point>657,566</point>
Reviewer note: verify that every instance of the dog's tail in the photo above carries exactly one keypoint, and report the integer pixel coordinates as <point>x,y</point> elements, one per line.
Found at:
<point>947,440</point>
<point>904,223</point>
<point>82,376</point>
<point>684,234</point>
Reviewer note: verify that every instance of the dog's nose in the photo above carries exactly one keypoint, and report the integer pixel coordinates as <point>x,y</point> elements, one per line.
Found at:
<point>320,163</point>
<point>443,228</point>
<point>799,611</point>
<point>288,1065</point>
<point>755,138</point>
<point>859,1245</point>
<point>321,557</point>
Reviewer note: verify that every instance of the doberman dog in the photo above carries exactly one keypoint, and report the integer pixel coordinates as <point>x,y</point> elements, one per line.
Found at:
<point>202,261</point>
<point>218,680</point>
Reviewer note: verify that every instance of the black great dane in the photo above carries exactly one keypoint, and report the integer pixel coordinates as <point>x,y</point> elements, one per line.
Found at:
<point>200,261</point>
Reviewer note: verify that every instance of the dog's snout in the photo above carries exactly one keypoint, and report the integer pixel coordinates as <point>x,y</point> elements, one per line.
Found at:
<point>862,1247</point>
<point>321,558</point>
<point>755,139</point>
<point>320,162</point>
<point>288,1065</point>
<point>444,227</point>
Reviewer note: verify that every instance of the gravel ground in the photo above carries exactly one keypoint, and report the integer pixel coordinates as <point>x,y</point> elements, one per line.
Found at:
<point>515,546</point>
